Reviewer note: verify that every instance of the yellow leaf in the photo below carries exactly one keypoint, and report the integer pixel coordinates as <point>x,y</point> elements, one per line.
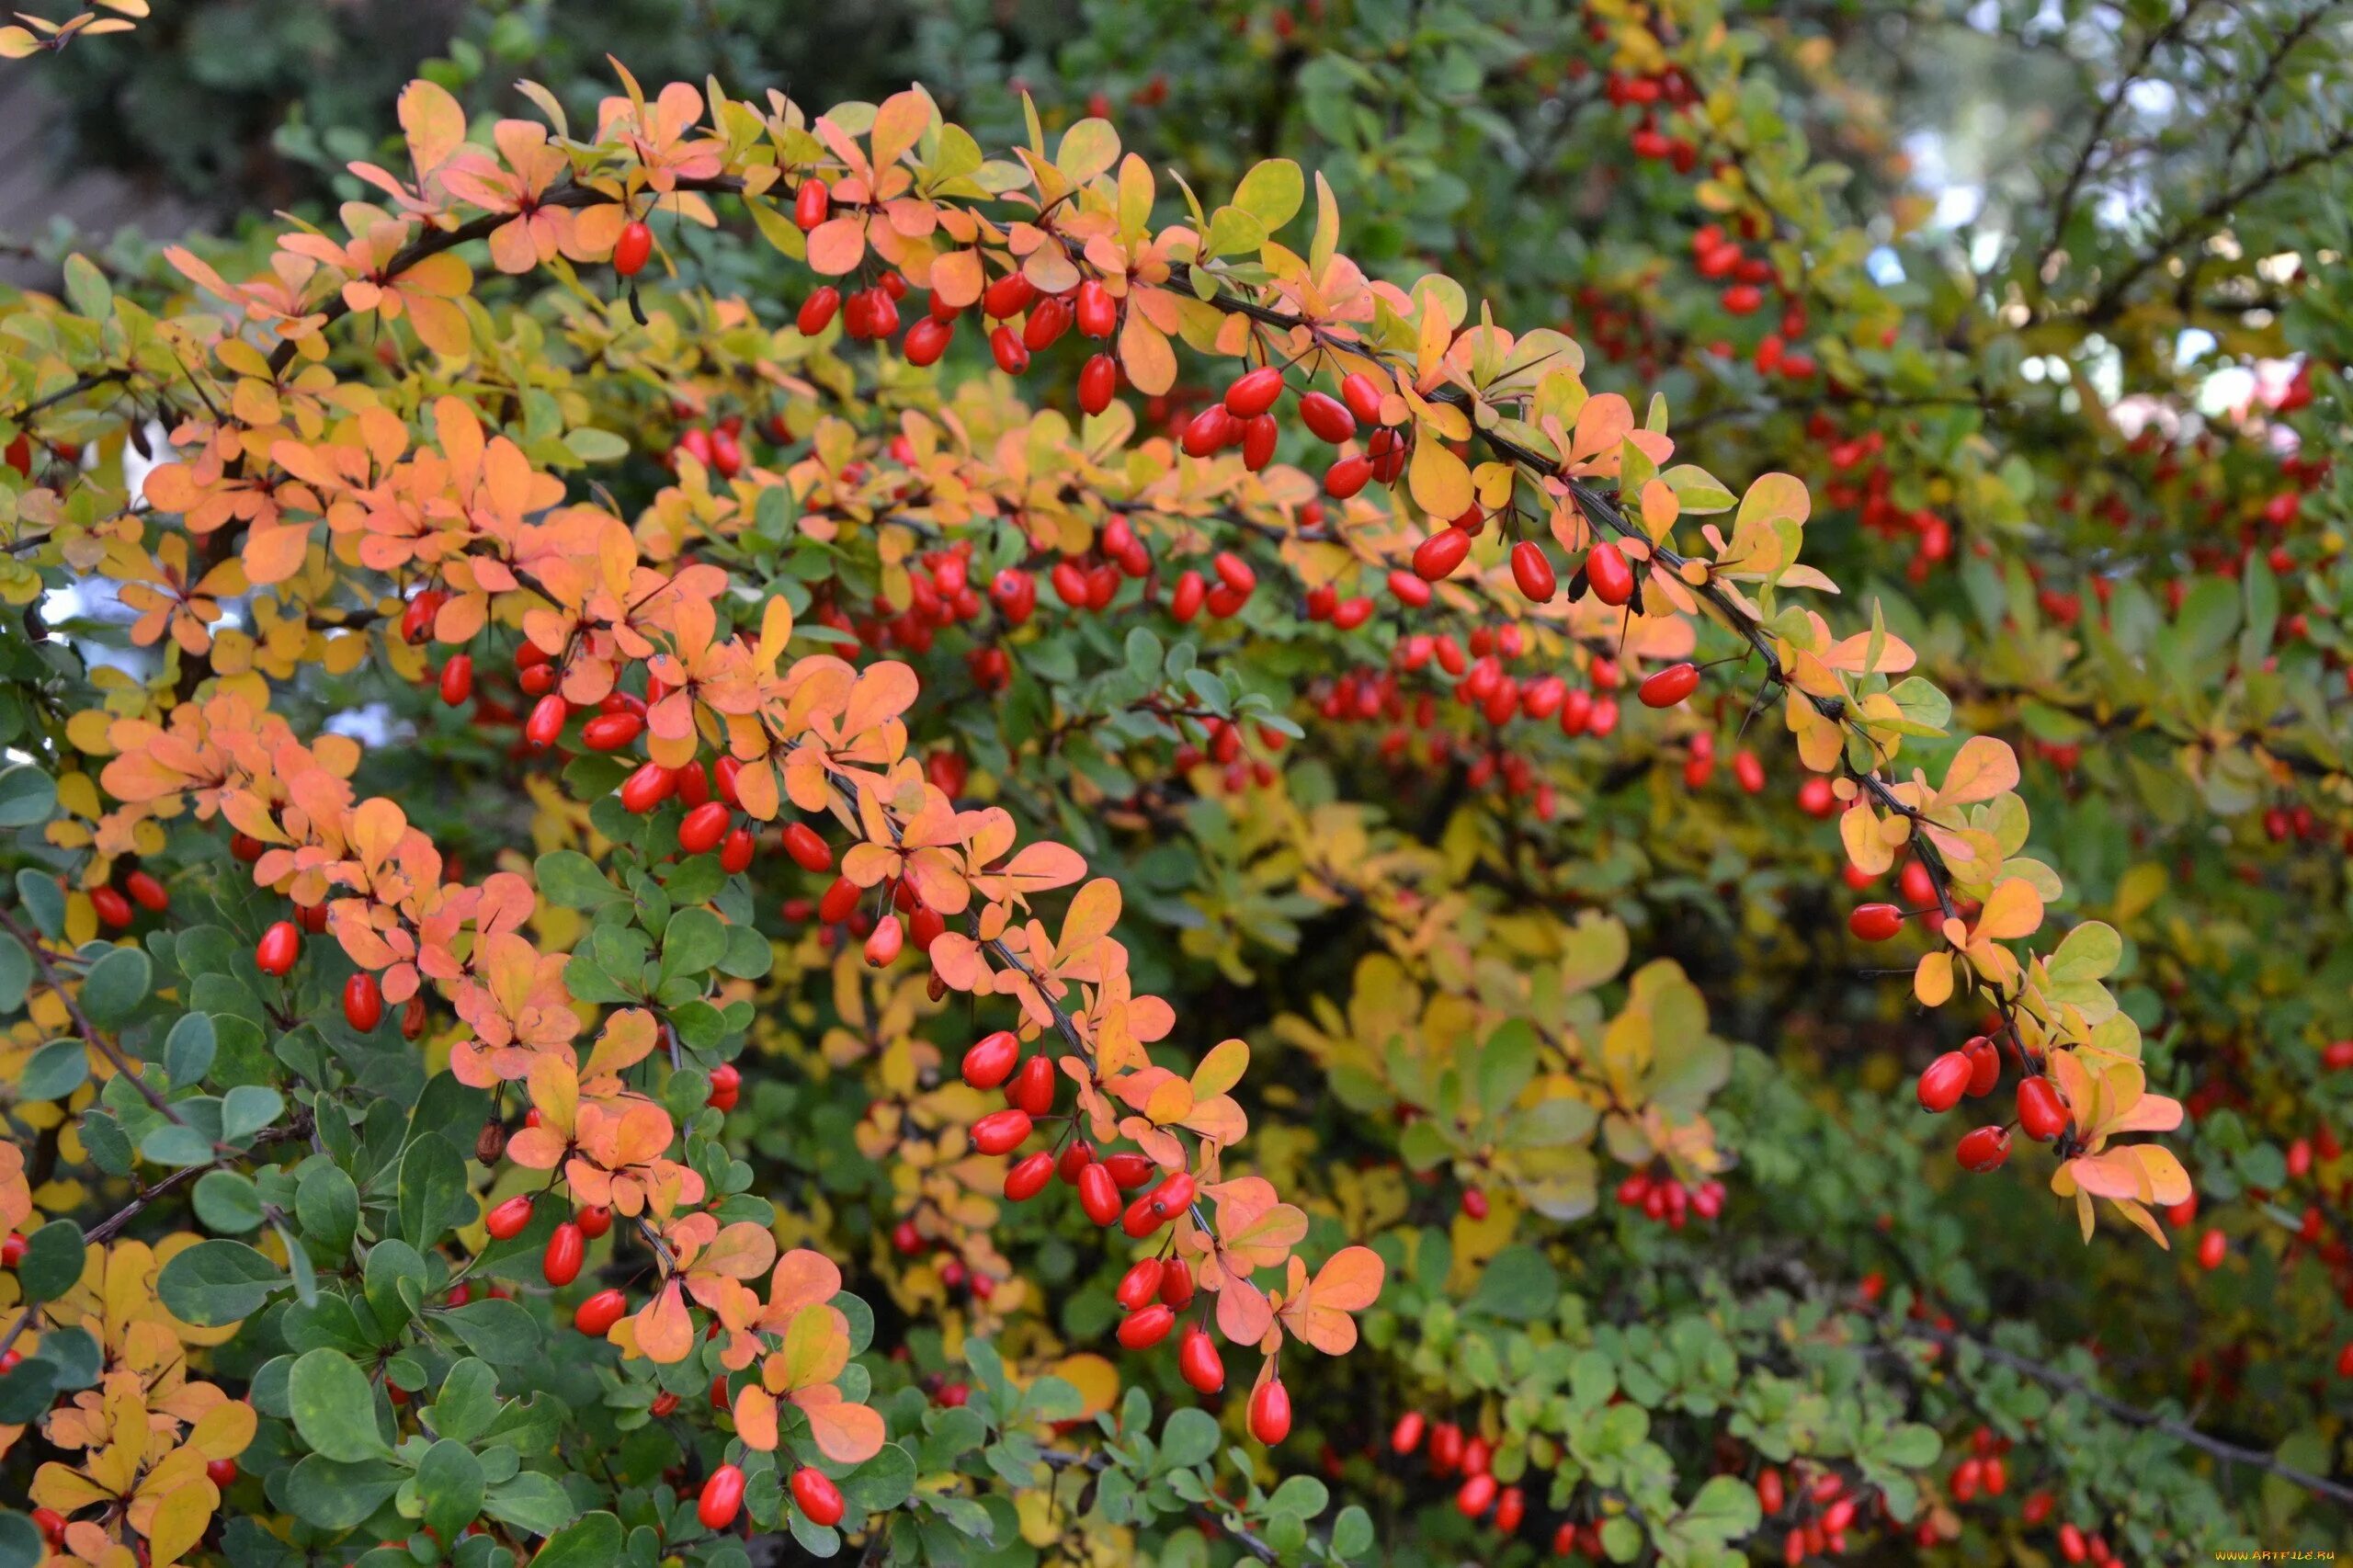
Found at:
<point>180,1521</point>
<point>2015,910</point>
<point>1983,768</point>
<point>1932,981</point>
<point>1089,148</point>
<point>1440,480</point>
<point>1145,355</point>
<point>1221,1069</point>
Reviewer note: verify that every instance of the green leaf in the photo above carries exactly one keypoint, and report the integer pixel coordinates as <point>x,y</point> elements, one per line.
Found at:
<point>592,1542</point>
<point>20,1542</point>
<point>749,955</point>
<point>450,1483</point>
<point>1723,1509</point>
<point>591,445</point>
<point>174,1144</point>
<point>214,1284</point>
<point>538,1504</point>
<point>226,1201</point>
<point>883,1481</point>
<point>86,288</point>
<point>393,1281</point>
<point>55,1071</point>
<point>1520,1284</point>
<point>468,1402</point>
<point>52,1261</point>
<point>27,796</point>
<point>572,879</point>
<point>1352,1531</point>
<point>499,1332</point>
<point>189,1050</point>
<point>433,1196</point>
<point>693,943</point>
<point>1189,1437</point>
<point>116,985</point>
<point>1271,193</point>
<point>43,899</point>
<point>16,977</point>
<point>1506,1064</point>
<point>334,1408</point>
<point>1302,1497</point>
<point>247,1110</point>
<point>335,1495</point>
<point>1909,1445</point>
<point>327,1203</point>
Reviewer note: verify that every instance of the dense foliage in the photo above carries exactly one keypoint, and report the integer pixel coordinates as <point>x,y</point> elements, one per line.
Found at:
<point>741,828</point>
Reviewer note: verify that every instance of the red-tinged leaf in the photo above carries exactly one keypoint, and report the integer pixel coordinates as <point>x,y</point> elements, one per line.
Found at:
<point>846,1433</point>
<point>836,246</point>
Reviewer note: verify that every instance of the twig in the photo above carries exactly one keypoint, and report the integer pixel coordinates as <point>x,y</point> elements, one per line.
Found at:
<point>2133,1416</point>
<point>82,1024</point>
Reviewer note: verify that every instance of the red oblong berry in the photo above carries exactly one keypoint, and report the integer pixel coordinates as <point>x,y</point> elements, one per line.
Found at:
<point>927,340</point>
<point>1347,476</point>
<point>1006,349</point>
<point>810,204</point>
<point>1198,1361</point>
<point>1605,570</point>
<point>1271,1413</point>
<point>1670,686</point>
<point>815,1495</point>
<point>1533,572</point>
<point>1098,1194</point>
<point>991,1059</point>
<point>817,311</point>
<point>611,732</point>
<point>1096,313</point>
<point>1875,922</point>
<point>1028,1178</point>
<point>647,788</point>
<point>546,722</point>
<point>600,1313</point>
<point>1148,1326</point>
<point>704,828</point>
<point>723,1497</point>
<point>2042,1114</point>
<point>1140,1284</point>
<point>1985,1149</point>
<point>1099,379</point>
<point>1254,393</point>
<point>1437,557</point>
<point>363,1002</point>
<point>457,681</point>
<point>1327,417</point>
<point>509,1219</point>
<point>559,1264</point>
<point>1943,1081</point>
<point>633,249</point>
<point>278,947</point>
<point>1001,1132</point>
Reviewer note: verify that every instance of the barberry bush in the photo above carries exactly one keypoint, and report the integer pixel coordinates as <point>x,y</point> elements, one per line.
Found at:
<point>743,829</point>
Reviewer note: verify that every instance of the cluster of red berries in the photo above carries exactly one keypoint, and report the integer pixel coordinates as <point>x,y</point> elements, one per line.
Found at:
<point>1870,494</point>
<point>115,904</point>
<point>1648,93</point>
<point>718,447</point>
<point>1451,1453</point>
<point>1154,1290</point>
<point>1668,1201</point>
<point>1824,1508</point>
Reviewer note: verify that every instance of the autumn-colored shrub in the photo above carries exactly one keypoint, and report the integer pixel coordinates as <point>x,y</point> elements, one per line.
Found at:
<point>733,821</point>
